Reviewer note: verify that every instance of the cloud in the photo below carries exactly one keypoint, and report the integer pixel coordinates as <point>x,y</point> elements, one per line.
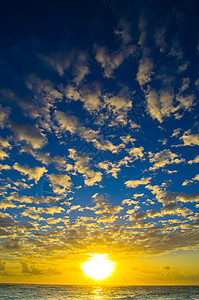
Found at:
<point>163,158</point>
<point>138,216</point>
<point>2,265</point>
<point>129,201</point>
<point>6,204</point>
<point>194,161</point>
<point>30,269</point>
<point>110,62</point>
<point>31,135</point>
<point>34,213</point>
<point>153,105</point>
<point>133,210</point>
<point>120,104</point>
<point>188,197</point>
<point>110,168</point>
<point>71,123</point>
<point>82,166</point>
<point>164,196</point>
<point>123,32</point>
<point>91,97</point>
<point>80,67</point>
<point>60,183</point>
<point>176,132</point>
<point>32,199</point>
<point>145,71</point>
<point>46,159</point>
<point>74,207</point>
<point>4,143</point>
<point>169,208</point>
<point>60,61</point>
<point>136,183</point>
<point>67,122</point>
<point>190,139</point>
<point>50,210</point>
<point>75,61</point>
<point>3,154</point>
<point>33,173</point>
<point>185,84</point>
<point>173,209</point>
<point>152,213</point>
<point>4,114</point>
<point>4,167</point>
<point>107,211</point>
<point>160,103</point>
<point>136,152</point>
<point>72,93</point>
<point>186,101</point>
<point>160,39</point>
<point>40,102</point>
<point>196,178</point>
<point>53,221</point>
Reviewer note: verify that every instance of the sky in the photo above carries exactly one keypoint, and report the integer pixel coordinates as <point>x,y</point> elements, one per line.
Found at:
<point>99,140</point>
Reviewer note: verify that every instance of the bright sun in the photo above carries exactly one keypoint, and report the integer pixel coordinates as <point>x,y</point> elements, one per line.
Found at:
<point>98,267</point>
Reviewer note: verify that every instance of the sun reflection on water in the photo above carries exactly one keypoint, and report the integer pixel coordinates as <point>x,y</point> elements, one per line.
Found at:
<point>97,291</point>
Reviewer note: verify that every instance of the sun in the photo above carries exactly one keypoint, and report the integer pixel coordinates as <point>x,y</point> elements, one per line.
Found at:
<point>98,267</point>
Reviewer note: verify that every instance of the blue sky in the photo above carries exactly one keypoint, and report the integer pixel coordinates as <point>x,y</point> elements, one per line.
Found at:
<point>99,132</point>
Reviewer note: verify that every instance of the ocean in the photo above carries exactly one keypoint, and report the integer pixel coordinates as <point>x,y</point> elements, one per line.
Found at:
<point>54,292</point>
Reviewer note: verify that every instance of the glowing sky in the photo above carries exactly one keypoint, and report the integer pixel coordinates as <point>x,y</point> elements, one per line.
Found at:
<point>99,140</point>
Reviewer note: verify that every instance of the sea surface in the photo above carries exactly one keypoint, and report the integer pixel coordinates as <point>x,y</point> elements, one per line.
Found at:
<point>29,292</point>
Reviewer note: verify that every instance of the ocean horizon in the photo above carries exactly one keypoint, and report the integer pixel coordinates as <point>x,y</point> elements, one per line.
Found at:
<point>103,292</point>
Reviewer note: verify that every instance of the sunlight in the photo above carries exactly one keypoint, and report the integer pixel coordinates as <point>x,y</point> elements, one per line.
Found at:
<point>98,267</point>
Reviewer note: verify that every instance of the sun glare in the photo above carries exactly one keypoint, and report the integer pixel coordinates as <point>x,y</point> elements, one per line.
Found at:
<point>98,267</point>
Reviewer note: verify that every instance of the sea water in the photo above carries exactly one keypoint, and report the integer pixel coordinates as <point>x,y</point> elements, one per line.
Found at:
<point>30,292</point>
